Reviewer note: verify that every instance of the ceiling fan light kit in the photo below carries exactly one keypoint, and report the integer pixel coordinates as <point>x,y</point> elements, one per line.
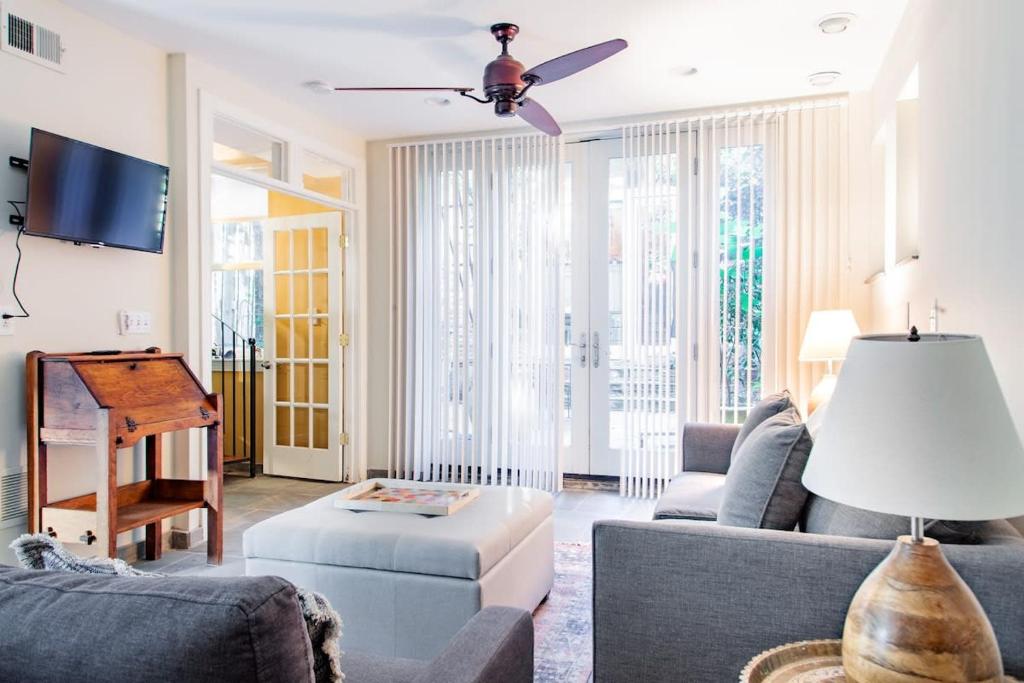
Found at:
<point>506,81</point>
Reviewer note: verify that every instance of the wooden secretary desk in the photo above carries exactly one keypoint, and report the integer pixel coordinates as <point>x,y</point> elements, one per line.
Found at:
<point>112,401</point>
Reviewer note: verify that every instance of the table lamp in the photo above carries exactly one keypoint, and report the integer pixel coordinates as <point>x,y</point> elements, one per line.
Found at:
<point>918,427</point>
<point>827,338</point>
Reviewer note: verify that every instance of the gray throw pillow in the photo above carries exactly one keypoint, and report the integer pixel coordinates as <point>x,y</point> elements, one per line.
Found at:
<point>765,408</point>
<point>763,488</point>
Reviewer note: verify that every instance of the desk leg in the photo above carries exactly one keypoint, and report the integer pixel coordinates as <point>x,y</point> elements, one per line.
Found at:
<point>106,486</point>
<point>154,470</point>
<point>215,488</point>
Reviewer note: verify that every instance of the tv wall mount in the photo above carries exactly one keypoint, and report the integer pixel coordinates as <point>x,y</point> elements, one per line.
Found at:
<point>21,165</point>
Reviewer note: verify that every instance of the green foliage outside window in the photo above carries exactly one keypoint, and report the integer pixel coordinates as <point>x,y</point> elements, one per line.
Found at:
<point>741,277</point>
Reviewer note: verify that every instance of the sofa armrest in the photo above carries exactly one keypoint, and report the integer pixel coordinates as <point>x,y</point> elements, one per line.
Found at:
<point>495,645</point>
<point>690,601</point>
<point>708,447</point>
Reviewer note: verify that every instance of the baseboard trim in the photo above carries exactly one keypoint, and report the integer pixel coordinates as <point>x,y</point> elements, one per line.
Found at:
<point>590,482</point>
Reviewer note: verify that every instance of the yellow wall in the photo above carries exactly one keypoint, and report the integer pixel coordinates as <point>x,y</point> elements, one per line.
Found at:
<point>280,204</point>
<point>235,434</point>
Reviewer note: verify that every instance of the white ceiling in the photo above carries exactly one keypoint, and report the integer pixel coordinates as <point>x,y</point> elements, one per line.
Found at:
<point>744,50</point>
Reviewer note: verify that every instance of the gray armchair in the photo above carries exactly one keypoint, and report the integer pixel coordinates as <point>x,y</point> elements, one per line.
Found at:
<point>678,600</point>
<point>495,645</point>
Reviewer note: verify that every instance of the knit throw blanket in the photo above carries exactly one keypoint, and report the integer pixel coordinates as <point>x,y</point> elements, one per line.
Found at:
<point>39,551</point>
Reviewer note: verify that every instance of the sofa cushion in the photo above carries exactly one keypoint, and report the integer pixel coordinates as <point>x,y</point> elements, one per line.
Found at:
<point>691,495</point>
<point>763,488</point>
<point>63,626</point>
<point>765,408</point>
<point>824,516</point>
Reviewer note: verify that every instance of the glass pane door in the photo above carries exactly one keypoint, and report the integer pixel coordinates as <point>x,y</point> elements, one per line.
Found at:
<point>604,222</point>
<point>622,336</point>
<point>303,295</point>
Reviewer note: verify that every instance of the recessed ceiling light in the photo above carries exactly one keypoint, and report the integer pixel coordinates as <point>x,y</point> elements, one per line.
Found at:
<point>319,87</point>
<point>836,22</point>
<point>438,101</point>
<point>823,78</point>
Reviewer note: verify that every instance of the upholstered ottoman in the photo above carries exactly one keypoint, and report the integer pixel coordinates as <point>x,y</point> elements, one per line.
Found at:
<point>405,583</point>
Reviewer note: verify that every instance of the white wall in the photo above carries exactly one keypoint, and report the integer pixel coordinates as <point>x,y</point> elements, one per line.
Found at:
<point>971,236</point>
<point>114,94</point>
<point>971,173</point>
<point>127,95</point>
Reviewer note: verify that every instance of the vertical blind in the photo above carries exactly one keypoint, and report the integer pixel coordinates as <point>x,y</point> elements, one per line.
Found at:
<point>476,372</point>
<point>734,230</point>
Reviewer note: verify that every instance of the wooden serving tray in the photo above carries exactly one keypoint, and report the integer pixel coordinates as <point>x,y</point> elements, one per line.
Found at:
<point>413,497</point>
<point>808,661</point>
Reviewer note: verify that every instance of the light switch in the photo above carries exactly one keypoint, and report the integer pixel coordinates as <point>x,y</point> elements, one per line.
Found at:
<point>134,322</point>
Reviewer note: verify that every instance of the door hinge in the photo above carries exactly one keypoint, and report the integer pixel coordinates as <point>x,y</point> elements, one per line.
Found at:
<point>694,353</point>
<point>343,241</point>
<point>343,438</point>
<point>696,259</point>
<point>696,164</point>
<point>343,339</point>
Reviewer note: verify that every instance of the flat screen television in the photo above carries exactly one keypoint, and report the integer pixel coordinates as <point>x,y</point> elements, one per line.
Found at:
<point>85,194</point>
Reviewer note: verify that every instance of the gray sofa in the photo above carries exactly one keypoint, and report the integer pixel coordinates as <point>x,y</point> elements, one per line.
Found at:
<point>687,600</point>
<point>60,626</point>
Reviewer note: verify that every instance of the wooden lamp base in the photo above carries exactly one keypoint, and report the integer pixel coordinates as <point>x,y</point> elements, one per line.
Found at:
<point>914,619</point>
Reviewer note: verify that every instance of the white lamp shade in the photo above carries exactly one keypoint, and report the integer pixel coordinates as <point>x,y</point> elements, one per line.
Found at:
<point>919,429</point>
<point>828,335</point>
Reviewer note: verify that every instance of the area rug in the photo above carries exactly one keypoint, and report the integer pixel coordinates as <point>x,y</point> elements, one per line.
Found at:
<point>563,645</point>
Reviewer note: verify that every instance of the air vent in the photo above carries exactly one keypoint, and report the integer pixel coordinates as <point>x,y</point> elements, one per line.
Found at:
<point>13,497</point>
<point>25,38</point>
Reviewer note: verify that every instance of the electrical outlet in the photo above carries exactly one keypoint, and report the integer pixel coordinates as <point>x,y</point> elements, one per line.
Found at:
<point>7,324</point>
<point>134,322</point>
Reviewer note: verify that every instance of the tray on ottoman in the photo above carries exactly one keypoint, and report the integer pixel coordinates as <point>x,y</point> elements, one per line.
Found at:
<point>414,497</point>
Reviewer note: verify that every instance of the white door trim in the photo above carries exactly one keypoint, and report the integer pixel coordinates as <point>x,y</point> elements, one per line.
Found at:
<point>356,271</point>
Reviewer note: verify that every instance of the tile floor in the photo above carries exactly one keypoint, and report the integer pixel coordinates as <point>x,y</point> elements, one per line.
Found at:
<point>247,501</point>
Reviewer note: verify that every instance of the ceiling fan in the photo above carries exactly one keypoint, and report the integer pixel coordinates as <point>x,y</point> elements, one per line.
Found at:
<point>506,80</point>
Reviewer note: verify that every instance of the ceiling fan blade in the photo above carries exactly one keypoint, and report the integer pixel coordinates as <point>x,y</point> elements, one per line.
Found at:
<point>566,65</point>
<point>387,89</point>
<point>538,117</point>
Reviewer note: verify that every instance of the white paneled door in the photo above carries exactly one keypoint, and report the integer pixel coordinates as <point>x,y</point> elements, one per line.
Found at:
<point>621,330</point>
<point>593,393</point>
<point>304,343</point>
